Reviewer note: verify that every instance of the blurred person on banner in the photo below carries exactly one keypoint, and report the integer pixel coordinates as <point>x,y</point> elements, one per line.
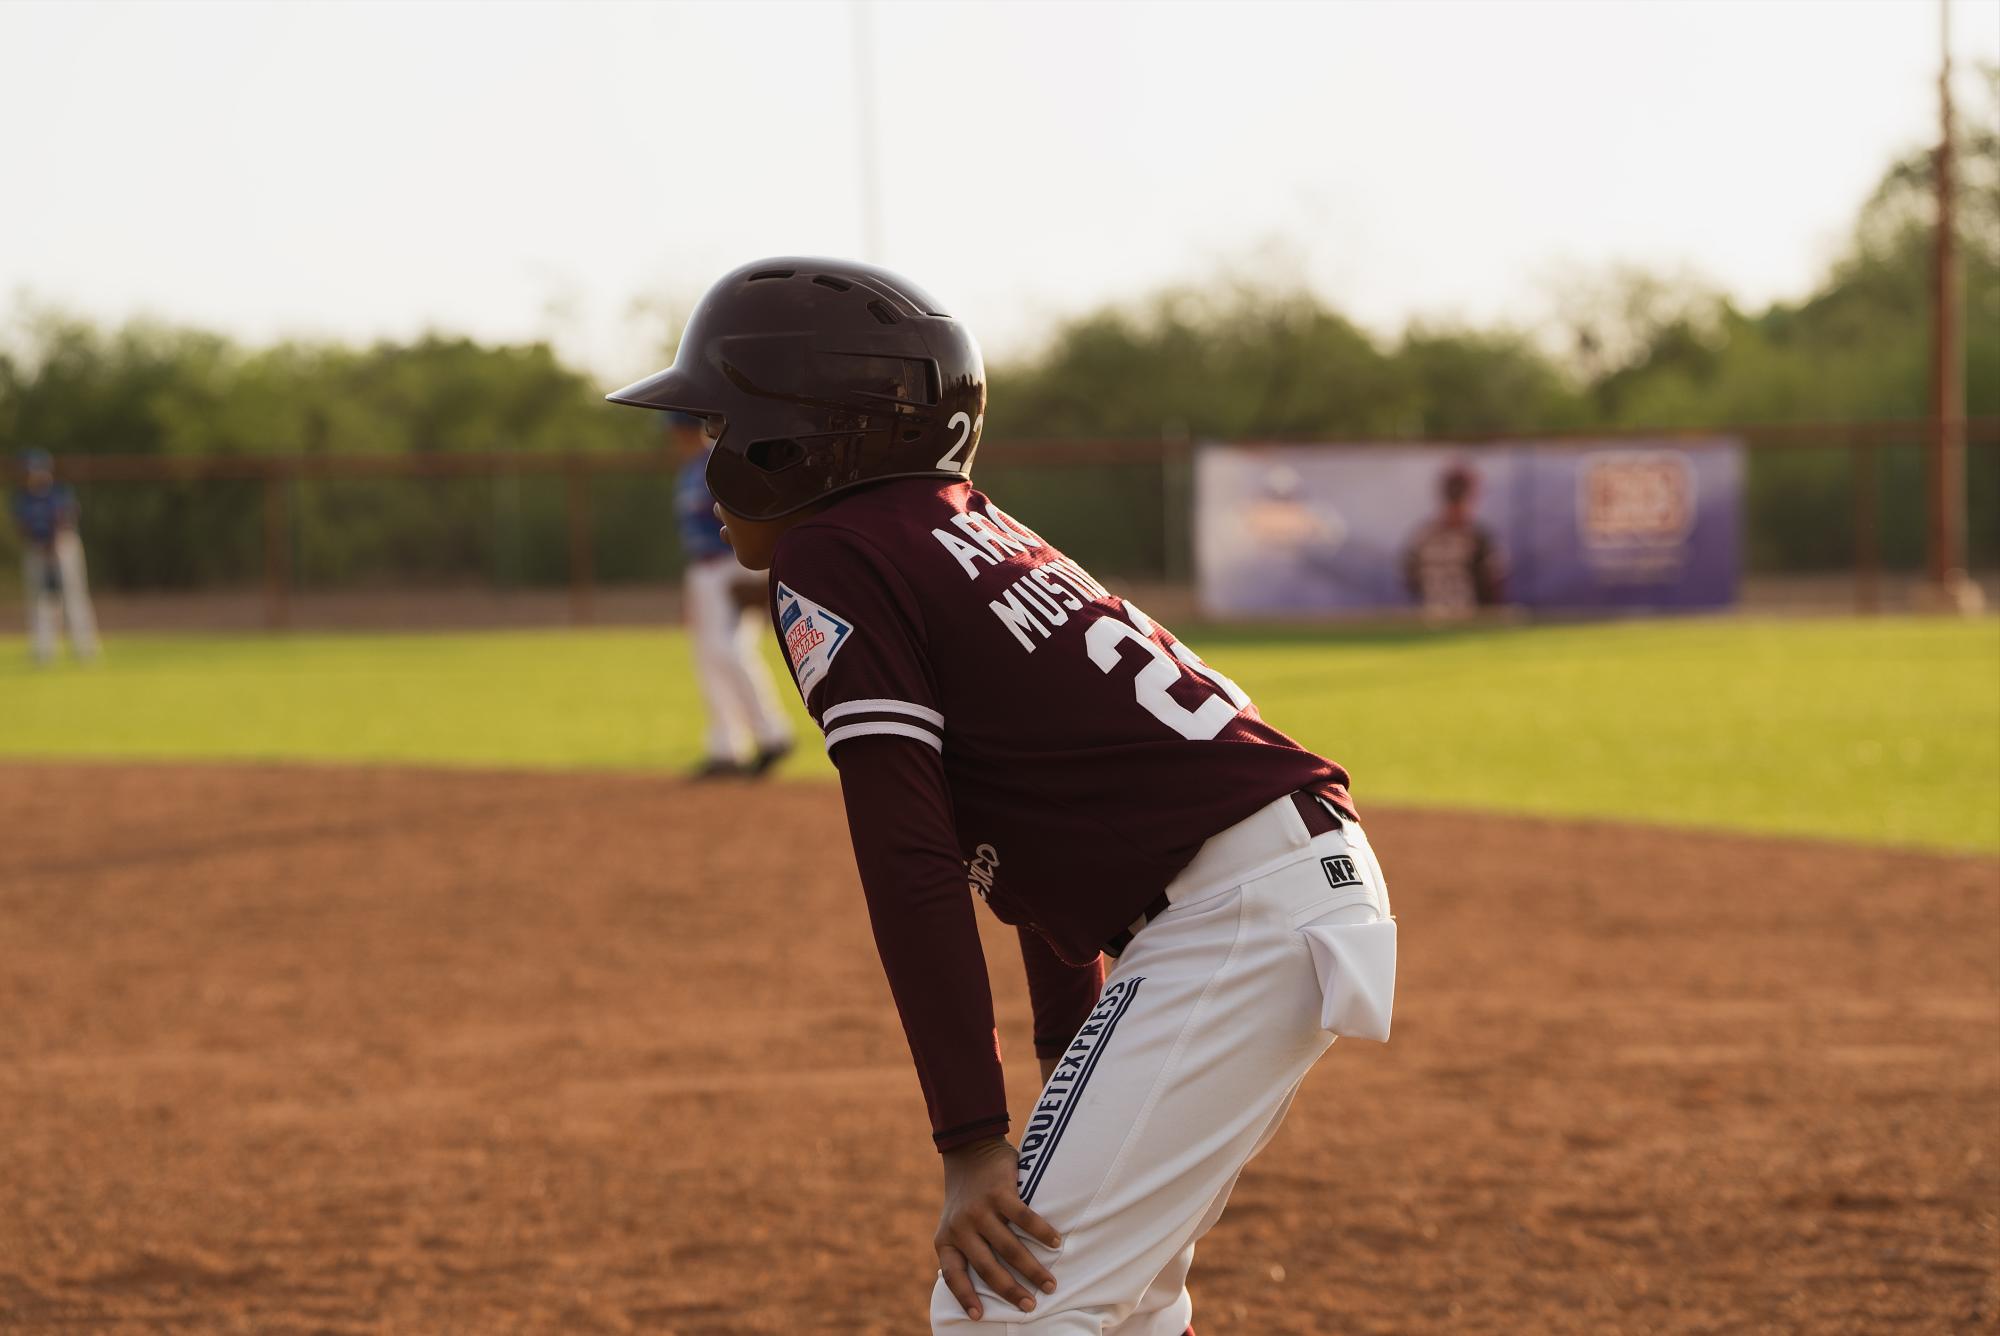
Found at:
<point>725,606</point>
<point>45,514</point>
<point>1453,564</point>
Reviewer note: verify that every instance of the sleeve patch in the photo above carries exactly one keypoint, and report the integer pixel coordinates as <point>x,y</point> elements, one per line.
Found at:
<point>813,634</point>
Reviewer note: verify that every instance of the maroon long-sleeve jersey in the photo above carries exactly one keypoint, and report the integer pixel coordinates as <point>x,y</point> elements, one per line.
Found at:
<point>1004,724</point>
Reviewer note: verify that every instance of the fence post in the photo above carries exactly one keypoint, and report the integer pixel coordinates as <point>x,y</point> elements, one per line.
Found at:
<point>581,548</point>
<point>506,535</point>
<point>1177,502</point>
<point>277,552</point>
<point>1867,529</point>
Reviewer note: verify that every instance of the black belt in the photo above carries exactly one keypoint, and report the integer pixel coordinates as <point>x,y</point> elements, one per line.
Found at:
<point>1313,810</point>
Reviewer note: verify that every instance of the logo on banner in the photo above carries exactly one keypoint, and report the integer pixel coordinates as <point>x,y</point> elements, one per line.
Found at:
<point>812,636</point>
<point>1635,499</point>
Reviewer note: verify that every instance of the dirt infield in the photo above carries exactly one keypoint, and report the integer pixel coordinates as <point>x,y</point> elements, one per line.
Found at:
<point>306,1050</point>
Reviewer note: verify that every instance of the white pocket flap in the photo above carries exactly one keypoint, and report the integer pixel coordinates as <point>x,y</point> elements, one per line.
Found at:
<point>1356,964</point>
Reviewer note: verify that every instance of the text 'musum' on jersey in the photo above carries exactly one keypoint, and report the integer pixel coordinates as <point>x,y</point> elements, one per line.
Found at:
<point>1032,606</point>
<point>812,635</point>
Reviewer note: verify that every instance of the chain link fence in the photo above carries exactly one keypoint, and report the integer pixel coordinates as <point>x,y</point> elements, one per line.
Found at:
<point>1830,506</point>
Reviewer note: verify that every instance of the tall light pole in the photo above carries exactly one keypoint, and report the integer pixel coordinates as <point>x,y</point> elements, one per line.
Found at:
<point>1951,589</point>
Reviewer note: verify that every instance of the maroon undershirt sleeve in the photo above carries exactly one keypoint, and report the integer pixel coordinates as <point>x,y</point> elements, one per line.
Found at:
<point>906,848</point>
<point>1062,994</point>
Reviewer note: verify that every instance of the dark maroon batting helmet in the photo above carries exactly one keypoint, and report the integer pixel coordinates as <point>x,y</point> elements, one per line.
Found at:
<point>816,376</point>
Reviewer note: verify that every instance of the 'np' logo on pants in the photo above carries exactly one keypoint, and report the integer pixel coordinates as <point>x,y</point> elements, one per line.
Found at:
<point>1340,871</point>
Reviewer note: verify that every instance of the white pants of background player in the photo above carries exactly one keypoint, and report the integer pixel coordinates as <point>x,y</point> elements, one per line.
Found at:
<point>62,567</point>
<point>736,688</point>
<point>1275,942</point>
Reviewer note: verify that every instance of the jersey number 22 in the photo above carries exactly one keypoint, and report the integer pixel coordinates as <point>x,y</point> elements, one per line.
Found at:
<point>1108,633</point>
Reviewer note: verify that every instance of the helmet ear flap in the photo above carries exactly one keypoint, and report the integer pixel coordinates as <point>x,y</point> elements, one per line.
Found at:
<point>774,456</point>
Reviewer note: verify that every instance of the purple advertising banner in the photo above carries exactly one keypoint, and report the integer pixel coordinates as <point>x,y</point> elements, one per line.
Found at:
<point>1300,530</point>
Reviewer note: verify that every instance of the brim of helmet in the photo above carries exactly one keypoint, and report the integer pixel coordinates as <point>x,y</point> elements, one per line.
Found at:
<point>664,389</point>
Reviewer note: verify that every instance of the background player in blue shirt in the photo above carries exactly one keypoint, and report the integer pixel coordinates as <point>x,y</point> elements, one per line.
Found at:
<point>45,516</point>
<point>747,733</point>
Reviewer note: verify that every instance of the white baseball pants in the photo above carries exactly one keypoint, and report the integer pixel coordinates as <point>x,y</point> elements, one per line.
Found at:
<point>1275,942</point>
<point>65,563</point>
<point>736,687</point>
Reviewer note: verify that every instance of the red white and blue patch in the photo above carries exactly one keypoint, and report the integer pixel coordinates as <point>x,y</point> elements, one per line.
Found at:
<point>812,633</point>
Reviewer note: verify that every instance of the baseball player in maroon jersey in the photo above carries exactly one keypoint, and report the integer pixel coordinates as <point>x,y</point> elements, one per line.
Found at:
<point>1006,727</point>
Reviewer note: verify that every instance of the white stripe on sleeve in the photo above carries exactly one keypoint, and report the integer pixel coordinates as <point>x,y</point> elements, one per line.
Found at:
<point>846,731</point>
<point>915,711</point>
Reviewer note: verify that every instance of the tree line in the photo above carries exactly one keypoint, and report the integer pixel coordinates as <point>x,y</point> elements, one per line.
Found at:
<point>1225,361</point>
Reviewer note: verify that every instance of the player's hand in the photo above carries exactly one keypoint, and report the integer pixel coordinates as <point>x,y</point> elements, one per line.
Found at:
<point>976,1232</point>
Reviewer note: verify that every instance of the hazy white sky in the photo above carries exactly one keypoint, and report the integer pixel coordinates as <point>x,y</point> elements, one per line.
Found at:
<point>573,170</point>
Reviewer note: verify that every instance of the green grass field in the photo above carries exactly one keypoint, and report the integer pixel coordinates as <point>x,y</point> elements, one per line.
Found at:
<point>1878,730</point>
